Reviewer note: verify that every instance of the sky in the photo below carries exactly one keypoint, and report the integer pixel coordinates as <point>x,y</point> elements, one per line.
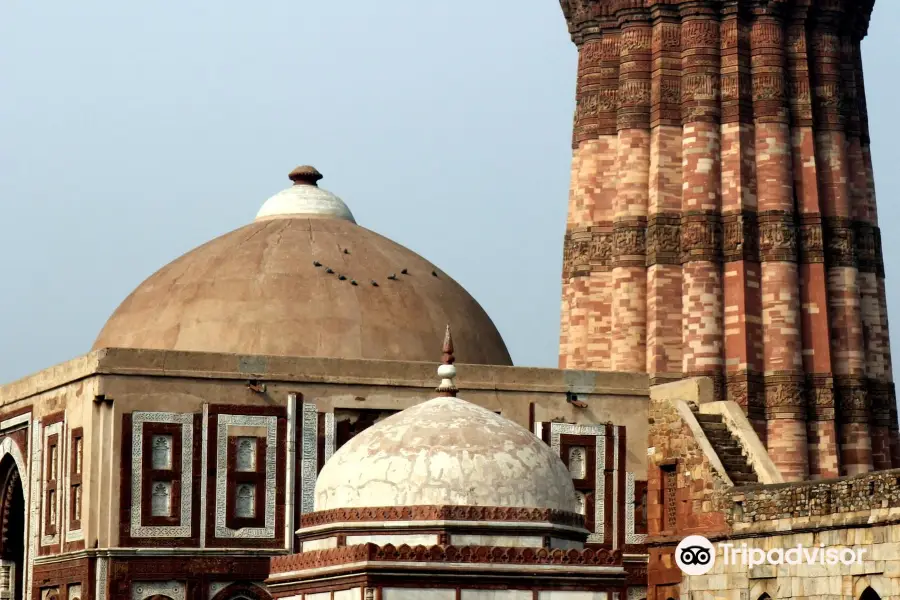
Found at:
<point>132,132</point>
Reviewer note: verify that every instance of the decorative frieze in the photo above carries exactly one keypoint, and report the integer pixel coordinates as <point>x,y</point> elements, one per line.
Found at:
<point>664,239</point>
<point>746,390</point>
<point>882,402</point>
<point>852,397</point>
<point>588,249</point>
<point>839,247</point>
<point>740,236</point>
<point>777,237</point>
<point>701,237</point>
<point>630,243</point>
<point>785,396</point>
<point>384,514</point>
<point>865,246</point>
<point>820,397</point>
<point>369,553</point>
<point>812,248</point>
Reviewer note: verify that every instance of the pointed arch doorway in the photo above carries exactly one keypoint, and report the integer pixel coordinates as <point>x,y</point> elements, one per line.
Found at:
<point>12,530</point>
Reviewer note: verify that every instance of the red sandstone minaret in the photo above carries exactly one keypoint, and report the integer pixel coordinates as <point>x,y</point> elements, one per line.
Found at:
<point>722,217</point>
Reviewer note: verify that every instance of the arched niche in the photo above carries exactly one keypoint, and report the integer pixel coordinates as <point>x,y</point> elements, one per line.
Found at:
<point>869,594</point>
<point>242,591</point>
<point>12,529</point>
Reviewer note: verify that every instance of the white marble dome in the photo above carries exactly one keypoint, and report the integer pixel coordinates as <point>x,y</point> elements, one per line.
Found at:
<point>445,452</point>
<point>305,199</point>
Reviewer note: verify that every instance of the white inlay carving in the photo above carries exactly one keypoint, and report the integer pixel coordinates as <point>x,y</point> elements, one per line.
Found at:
<point>246,454</point>
<point>289,475</point>
<point>616,495</point>
<point>329,435</point>
<point>270,423</point>
<point>161,457</point>
<point>145,589</point>
<point>245,501</point>
<point>630,536</point>
<point>102,565</point>
<point>599,433</point>
<point>309,459</point>
<point>582,502</point>
<point>51,473</point>
<point>186,420</point>
<point>74,592</point>
<point>161,499</point>
<point>204,489</point>
<point>578,462</point>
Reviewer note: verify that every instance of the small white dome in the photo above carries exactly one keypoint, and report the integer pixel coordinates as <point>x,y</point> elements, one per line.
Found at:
<point>305,199</point>
<point>445,452</point>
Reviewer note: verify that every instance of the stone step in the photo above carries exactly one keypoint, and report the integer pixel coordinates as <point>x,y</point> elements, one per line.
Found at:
<point>702,418</point>
<point>746,480</point>
<point>711,426</point>
<point>739,470</point>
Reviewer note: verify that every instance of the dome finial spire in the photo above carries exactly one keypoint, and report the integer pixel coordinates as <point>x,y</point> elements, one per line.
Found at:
<point>305,175</point>
<point>447,372</point>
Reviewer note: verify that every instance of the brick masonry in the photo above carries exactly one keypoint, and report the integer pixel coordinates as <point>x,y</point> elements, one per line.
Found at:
<point>723,219</point>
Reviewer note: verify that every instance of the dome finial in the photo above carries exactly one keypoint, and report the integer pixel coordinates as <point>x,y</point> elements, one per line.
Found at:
<point>447,372</point>
<point>305,175</point>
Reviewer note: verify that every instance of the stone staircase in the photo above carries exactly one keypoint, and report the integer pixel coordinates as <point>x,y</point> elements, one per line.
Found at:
<point>727,448</point>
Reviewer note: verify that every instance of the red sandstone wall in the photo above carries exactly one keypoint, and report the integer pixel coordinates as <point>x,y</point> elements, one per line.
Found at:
<point>723,221</point>
<point>699,498</point>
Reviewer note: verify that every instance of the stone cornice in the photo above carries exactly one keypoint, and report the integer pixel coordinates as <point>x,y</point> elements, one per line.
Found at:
<point>588,18</point>
<point>482,555</point>
<point>442,513</point>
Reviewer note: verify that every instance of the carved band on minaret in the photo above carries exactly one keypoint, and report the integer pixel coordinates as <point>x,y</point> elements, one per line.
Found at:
<point>723,215</point>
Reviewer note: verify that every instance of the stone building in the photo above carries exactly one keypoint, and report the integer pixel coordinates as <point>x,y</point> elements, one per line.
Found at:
<point>450,500</point>
<point>722,219</point>
<point>724,367</point>
<point>181,454</point>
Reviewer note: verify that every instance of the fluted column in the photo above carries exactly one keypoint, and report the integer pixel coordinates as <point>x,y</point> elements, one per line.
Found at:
<point>629,305</point>
<point>821,432</point>
<point>702,311</point>
<point>743,302</point>
<point>847,348</point>
<point>664,281</point>
<point>587,271</point>
<point>783,374</point>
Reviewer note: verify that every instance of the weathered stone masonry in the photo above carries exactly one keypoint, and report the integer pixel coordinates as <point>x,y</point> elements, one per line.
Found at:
<point>722,218</point>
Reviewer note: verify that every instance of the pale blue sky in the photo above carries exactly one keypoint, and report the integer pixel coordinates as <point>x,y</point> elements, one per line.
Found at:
<point>131,132</point>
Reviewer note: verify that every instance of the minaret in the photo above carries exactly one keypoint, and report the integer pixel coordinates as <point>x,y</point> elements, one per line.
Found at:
<point>722,218</point>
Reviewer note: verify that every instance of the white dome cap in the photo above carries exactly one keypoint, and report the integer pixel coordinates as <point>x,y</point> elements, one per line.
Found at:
<point>445,452</point>
<point>305,199</point>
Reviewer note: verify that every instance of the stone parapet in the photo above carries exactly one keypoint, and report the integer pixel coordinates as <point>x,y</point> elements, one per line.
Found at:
<point>863,495</point>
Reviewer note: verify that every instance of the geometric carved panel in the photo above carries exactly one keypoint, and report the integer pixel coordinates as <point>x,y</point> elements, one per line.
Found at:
<point>598,432</point>
<point>245,494</point>
<point>160,448</point>
<point>631,538</point>
<point>52,483</point>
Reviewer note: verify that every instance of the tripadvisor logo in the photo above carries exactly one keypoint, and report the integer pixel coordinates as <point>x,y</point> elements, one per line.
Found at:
<point>696,555</point>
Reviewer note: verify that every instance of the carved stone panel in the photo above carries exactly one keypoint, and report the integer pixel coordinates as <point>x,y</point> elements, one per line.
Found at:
<point>777,237</point>
<point>664,239</point>
<point>740,232</point>
<point>701,237</point>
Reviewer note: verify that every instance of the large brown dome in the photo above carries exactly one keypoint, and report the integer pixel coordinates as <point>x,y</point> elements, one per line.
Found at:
<point>303,280</point>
